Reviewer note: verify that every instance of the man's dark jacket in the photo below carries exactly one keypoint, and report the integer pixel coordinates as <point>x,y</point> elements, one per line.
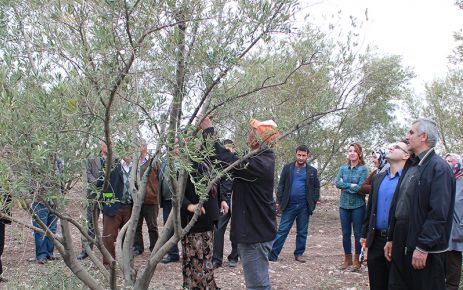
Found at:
<point>369,223</point>
<point>431,206</point>
<point>116,187</point>
<point>312,186</point>
<point>253,207</point>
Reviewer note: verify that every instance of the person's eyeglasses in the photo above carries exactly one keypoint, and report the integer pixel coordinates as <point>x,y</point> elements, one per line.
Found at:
<point>396,146</point>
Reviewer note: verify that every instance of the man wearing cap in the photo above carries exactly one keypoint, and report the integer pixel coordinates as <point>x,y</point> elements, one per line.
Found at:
<point>253,224</point>
<point>297,196</point>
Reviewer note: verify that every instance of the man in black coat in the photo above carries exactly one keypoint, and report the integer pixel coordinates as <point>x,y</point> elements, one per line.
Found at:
<point>253,223</point>
<point>297,196</point>
<point>421,215</point>
<point>375,224</point>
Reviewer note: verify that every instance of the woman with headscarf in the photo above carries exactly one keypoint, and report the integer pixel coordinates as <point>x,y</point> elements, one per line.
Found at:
<point>197,267</point>
<point>454,258</point>
<point>380,163</point>
<point>350,178</point>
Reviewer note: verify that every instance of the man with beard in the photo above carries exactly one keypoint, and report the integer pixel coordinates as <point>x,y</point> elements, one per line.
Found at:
<point>297,196</point>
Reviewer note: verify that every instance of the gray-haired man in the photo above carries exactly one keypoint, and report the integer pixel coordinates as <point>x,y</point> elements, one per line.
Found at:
<point>421,215</point>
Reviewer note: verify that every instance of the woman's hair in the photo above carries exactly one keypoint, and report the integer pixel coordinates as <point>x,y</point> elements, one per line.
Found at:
<point>359,151</point>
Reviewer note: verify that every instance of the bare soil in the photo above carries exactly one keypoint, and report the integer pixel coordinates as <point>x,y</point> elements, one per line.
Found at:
<point>324,254</point>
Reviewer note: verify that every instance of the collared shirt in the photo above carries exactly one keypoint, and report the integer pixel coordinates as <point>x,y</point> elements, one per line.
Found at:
<point>126,195</point>
<point>126,166</point>
<point>298,190</point>
<point>347,175</point>
<point>143,161</point>
<point>384,198</point>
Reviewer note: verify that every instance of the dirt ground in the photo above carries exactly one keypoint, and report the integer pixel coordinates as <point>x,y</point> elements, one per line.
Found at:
<point>324,253</point>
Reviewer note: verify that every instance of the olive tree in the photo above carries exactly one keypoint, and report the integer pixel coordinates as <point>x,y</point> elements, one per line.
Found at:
<point>75,73</point>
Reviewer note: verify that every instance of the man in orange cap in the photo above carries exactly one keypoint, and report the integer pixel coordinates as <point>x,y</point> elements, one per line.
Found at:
<point>253,223</point>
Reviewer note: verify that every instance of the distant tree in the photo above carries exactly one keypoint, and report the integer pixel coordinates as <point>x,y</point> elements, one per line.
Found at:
<point>367,86</point>
<point>444,99</point>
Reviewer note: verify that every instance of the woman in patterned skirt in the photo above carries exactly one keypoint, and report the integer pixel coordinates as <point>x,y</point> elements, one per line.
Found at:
<point>197,264</point>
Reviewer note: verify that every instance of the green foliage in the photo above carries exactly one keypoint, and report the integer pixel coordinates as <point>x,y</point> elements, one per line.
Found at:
<point>363,88</point>
<point>445,106</point>
<point>75,73</point>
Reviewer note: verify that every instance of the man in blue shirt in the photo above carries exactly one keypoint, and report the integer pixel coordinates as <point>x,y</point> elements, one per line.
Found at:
<point>297,196</point>
<point>375,225</point>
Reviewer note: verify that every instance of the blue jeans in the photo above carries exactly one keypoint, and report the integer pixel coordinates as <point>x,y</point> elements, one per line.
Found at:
<point>348,218</point>
<point>254,258</point>
<point>300,213</point>
<point>43,245</point>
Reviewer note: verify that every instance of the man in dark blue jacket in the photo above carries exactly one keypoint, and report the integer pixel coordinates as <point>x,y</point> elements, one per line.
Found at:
<point>117,212</point>
<point>375,224</point>
<point>297,196</point>
<point>421,215</point>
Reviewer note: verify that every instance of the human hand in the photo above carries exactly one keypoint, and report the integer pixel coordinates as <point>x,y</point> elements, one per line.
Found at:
<point>192,207</point>
<point>363,242</point>
<point>352,185</point>
<point>224,207</point>
<point>388,251</point>
<point>419,259</point>
<point>206,122</point>
<point>364,252</point>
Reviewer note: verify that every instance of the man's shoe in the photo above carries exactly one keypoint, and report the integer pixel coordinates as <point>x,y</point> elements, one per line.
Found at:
<point>53,258</point>
<point>271,259</point>
<point>299,259</point>
<point>232,263</point>
<point>137,252</point>
<point>216,264</point>
<point>41,262</point>
<point>82,255</point>
<point>169,259</point>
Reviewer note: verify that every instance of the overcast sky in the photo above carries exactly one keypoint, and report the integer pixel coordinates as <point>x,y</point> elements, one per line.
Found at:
<point>421,31</point>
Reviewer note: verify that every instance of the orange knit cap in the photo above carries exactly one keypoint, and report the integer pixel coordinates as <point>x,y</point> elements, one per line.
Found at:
<point>266,129</point>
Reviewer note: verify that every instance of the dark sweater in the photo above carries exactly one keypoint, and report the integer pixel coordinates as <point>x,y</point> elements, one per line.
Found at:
<point>253,207</point>
<point>205,221</point>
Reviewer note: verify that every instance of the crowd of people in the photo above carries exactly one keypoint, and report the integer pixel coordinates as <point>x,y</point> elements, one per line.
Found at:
<point>411,228</point>
<point>406,215</point>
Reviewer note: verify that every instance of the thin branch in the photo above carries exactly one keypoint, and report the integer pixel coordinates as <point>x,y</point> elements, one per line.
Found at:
<point>262,87</point>
<point>127,23</point>
<point>205,99</point>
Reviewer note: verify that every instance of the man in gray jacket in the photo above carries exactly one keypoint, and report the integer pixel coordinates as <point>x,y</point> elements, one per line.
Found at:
<point>95,175</point>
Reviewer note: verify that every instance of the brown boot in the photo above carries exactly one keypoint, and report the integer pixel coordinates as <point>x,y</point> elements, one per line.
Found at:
<point>356,265</point>
<point>347,262</point>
